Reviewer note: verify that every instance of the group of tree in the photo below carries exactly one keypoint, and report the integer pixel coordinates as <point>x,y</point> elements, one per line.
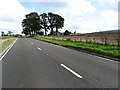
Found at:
<point>10,33</point>
<point>33,24</point>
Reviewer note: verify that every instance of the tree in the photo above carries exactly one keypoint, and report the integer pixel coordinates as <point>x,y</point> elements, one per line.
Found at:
<point>25,31</point>
<point>9,33</point>
<point>26,27</point>
<point>55,21</point>
<point>2,33</point>
<point>67,32</point>
<point>40,33</point>
<point>74,32</point>
<point>59,22</point>
<point>44,22</point>
<point>51,22</point>
<point>31,24</point>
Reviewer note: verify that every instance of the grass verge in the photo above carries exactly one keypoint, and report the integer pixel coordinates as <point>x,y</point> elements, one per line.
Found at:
<point>5,44</point>
<point>107,50</point>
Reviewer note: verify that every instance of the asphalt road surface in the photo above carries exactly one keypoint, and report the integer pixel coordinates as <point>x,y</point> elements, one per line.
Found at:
<point>36,64</point>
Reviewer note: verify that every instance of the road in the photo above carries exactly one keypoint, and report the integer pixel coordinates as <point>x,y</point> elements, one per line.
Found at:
<point>36,64</point>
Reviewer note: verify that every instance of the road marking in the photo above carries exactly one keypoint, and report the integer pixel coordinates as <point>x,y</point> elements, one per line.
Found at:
<point>47,54</point>
<point>31,43</point>
<point>73,72</point>
<point>8,49</point>
<point>101,58</point>
<point>39,48</point>
<point>107,59</point>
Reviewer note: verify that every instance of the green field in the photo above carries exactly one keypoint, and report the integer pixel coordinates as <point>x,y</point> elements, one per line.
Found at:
<point>6,43</point>
<point>109,50</point>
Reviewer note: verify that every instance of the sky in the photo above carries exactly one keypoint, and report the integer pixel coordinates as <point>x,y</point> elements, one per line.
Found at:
<point>82,16</point>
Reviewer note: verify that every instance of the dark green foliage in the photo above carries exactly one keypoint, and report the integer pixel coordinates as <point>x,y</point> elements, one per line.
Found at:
<point>2,33</point>
<point>51,21</point>
<point>66,33</point>
<point>40,33</point>
<point>16,35</point>
<point>44,22</point>
<point>33,23</point>
<point>10,33</point>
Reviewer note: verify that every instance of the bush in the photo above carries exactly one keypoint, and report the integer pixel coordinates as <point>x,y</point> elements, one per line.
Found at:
<point>66,33</point>
<point>40,33</point>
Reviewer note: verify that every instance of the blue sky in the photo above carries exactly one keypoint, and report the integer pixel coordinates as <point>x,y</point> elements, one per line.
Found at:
<point>38,7</point>
<point>82,16</point>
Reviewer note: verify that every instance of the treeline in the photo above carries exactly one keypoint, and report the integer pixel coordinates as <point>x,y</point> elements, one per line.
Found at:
<point>10,33</point>
<point>33,24</point>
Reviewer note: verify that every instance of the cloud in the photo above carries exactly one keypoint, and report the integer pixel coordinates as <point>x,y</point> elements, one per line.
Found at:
<point>110,17</point>
<point>90,15</point>
<point>108,4</point>
<point>55,4</point>
<point>11,15</point>
<point>75,13</point>
<point>43,0</point>
<point>77,8</point>
<point>10,26</point>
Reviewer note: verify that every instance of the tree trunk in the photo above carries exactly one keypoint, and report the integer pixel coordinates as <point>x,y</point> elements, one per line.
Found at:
<point>56,31</point>
<point>52,32</point>
<point>45,31</point>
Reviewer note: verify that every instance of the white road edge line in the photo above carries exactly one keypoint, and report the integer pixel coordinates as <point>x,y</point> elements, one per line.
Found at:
<point>107,59</point>
<point>73,72</point>
<point>39,48</point>
<point>8,49</point>
<point>102,58</point>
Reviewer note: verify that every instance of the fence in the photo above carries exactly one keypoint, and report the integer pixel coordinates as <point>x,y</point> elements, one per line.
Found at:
<point>102,38</point>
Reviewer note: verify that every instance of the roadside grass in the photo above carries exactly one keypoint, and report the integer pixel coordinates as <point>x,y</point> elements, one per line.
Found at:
<point>5,44</point>
<point>109,50</point>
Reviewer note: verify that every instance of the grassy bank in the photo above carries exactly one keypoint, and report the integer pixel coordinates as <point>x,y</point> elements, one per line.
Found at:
<point>108,50</point>
<point>6,43</point>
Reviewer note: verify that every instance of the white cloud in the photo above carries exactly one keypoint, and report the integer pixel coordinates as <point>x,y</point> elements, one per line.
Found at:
<point>81,7</point>
<point>77,8</point>
<point>74,14</point>
<point>11,15</point>
<point>90,15</point>
<point>110,17</point>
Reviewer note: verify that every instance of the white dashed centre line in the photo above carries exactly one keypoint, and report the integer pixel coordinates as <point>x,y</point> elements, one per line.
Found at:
<point>31,43</point>
<point>39,48</point>
<point>73,72</point>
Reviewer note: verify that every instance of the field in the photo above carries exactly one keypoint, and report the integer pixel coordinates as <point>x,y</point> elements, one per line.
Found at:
<point>100,38</point>
<point>108,50</point>
<point>5,42</point>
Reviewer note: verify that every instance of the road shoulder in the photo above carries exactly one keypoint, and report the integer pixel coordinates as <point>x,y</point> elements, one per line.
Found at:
<point>7,49</point>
